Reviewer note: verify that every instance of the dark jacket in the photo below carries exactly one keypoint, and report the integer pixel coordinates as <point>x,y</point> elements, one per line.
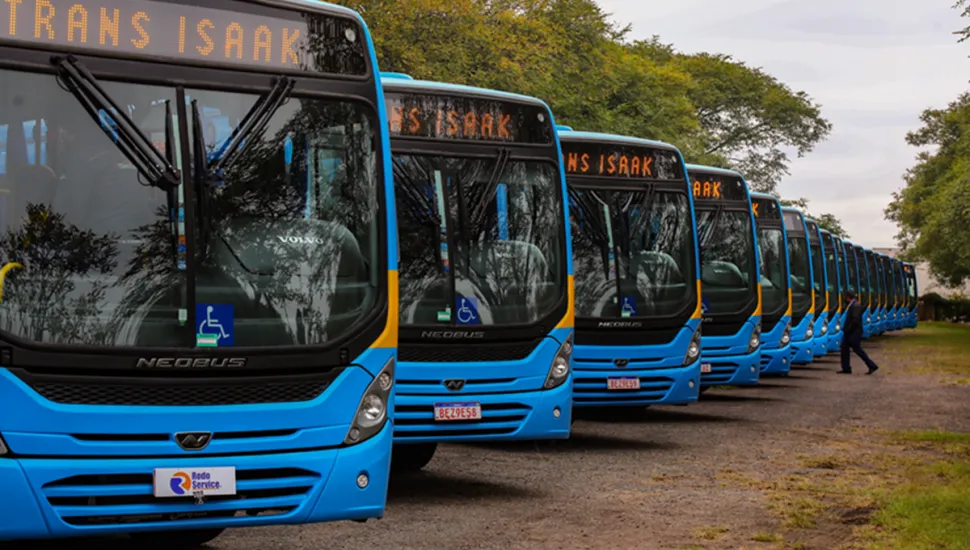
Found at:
<point>853,320</point>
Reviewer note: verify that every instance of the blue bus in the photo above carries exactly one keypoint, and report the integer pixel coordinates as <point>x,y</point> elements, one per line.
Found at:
<point>802,285</point>
<point>838,277</point>
<point>776,294</point>
<point>892,283</point>
<point>853,269</point>
<point>834,281</point>
<point>730,278</point>
<point>198,329</point>
<point>486,303</point>
<point>872,292</point>
<point>638,316</point>
<point>911,311</point>
<point>885,280</point>
<point>820,327</point>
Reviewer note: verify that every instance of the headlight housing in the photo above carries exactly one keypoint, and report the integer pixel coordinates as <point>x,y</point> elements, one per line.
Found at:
<point>559,370</point>
<point>786,336</point>
<point>694,348</point>
<point>838,326</point>
<point>373,407</point>
<point>755,341</point>
<point>809,332</point>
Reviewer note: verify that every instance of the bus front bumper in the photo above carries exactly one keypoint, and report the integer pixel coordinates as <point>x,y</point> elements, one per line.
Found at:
<point>539,414</point>
<point>801,353</point>
<point>731,370</point>
<point>72,496</point>
<point>658,386</point>
<point>820,346</point>
<point>776,362</point>
<point>835,342</point>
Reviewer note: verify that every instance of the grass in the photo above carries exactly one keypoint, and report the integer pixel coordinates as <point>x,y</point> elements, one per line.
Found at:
<point>767,537</point>
<point>712,532</point>
<point>937,348</point>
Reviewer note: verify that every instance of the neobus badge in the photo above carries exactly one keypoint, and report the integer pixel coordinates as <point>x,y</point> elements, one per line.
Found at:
<point>188,33</point>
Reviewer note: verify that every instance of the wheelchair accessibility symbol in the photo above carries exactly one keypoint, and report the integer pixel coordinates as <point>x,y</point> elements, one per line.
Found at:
<point>467,311</point>
<point>215,325</point>
<point>705,305</point>
<point>629,307</point>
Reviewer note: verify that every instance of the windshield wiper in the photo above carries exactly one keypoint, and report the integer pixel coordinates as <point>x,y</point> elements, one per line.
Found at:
<point>252,126</point>
<point>644,217</point>
<point>593,223</point>
<point>119,127</point>
<point>480,209</point>
<point>712,228</point>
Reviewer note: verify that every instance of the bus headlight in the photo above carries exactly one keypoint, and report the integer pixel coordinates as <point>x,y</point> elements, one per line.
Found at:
<point>786,336</point>
<point>825,329</point>
<point>755,340</point>
<point>838,326</point>
<point>559,370</point>
<point>809,332</point>
<point>694,348</point>
<point>372,410</point>
<point>868,319</point>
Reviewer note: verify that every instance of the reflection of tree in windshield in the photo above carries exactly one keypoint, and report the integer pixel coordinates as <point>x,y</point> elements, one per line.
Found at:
<point>727,259</point>
<point>41,300</point>
<point>496,231</point>
<point>287,235</point>
<point>637,243</point>
<point>774,282</point>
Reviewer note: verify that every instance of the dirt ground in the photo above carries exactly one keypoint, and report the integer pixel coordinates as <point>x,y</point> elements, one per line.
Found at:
<point>744,468</point>
<point>711,475</point>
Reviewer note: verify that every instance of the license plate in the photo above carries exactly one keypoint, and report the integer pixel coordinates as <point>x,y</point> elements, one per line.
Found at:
<point>187,482</point>
<point>705,368</point>
<point>446,412</point>
<point>623,383</point>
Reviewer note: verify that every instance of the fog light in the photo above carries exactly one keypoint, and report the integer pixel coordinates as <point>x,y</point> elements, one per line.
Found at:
<point>752,369</point>
<point>556,413</point>
<point>363,480</point>
<point>354,434</point>
<point>690,384</point>
<point>784,361</point>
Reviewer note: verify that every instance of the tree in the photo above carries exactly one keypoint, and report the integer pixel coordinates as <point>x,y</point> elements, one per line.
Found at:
<point>749,117</point>
<point>826,221</point>
<point>933,209</point>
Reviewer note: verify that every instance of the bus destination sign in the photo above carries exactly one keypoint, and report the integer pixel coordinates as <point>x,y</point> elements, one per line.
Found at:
<point>620,161</point>
<point>462,118</point>
<point>189,33</point>
<point>718,187</point>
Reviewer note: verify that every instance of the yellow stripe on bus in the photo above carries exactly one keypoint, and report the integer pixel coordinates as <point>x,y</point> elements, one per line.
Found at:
<point>388,338</point>
<point>699,311</point>
<point>569,319</point>
<point>3,274</point>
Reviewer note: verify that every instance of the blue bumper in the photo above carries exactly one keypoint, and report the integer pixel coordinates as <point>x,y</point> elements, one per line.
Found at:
<point>45,498</point>
<point>835,342</point>
<point>514,406</point>
<point>77,470</point>
<point>730,365</point>
<point>775,362</point>
<point>801,353</point>
<point>663,378</point>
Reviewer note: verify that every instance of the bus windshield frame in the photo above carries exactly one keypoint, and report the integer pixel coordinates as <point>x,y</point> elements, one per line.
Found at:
<point>168,262</point>
<point>799,260</point>
<point>832,273</point>
<point>774,259</point>
<point>456,271</point>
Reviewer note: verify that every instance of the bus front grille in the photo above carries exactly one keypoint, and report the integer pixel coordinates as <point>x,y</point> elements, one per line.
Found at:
<point>417,421</point>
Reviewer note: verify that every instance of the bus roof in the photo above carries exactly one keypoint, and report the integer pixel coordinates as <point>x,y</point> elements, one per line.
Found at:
<point>713,170</point>
<point>793,209</point>
<point>403,82</point>
<point>565,135</point>
<point>315,4</point>
<point>769,196</point>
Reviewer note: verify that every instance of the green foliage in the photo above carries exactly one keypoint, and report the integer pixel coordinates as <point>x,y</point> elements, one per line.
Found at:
<point>933,209</point>
<point>717,110</point>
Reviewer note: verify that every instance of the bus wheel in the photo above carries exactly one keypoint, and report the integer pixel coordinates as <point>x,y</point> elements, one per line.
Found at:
<point>172,540</point>
<point>412,458</point>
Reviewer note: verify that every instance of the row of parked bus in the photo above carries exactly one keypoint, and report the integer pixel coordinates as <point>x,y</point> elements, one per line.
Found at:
<point>241,264</point>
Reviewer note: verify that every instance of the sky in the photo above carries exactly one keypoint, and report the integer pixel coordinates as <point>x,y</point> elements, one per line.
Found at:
<point>873,65</point>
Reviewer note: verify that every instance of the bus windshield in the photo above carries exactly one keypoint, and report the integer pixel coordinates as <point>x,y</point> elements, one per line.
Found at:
<point>832,272</point>
<point>633,253</point>
<point>481,239</point>
<point>727,259</point>
<point>853,267</point>
<point>873,280</point>
<point>801,275</point>
<point>774,282</point>
<point>818,276</point>
<point>286,238</point>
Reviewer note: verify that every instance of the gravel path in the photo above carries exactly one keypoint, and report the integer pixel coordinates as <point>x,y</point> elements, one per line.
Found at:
<point>641,479</point>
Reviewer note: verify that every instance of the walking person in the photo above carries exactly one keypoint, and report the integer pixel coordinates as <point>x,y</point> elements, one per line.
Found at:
<point>852,336</point>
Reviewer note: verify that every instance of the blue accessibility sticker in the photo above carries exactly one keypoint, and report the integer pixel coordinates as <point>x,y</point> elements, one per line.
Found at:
<point>705,305</point>
<point>215,325</point>
<point>466,312</point>
<point>629,307</point>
